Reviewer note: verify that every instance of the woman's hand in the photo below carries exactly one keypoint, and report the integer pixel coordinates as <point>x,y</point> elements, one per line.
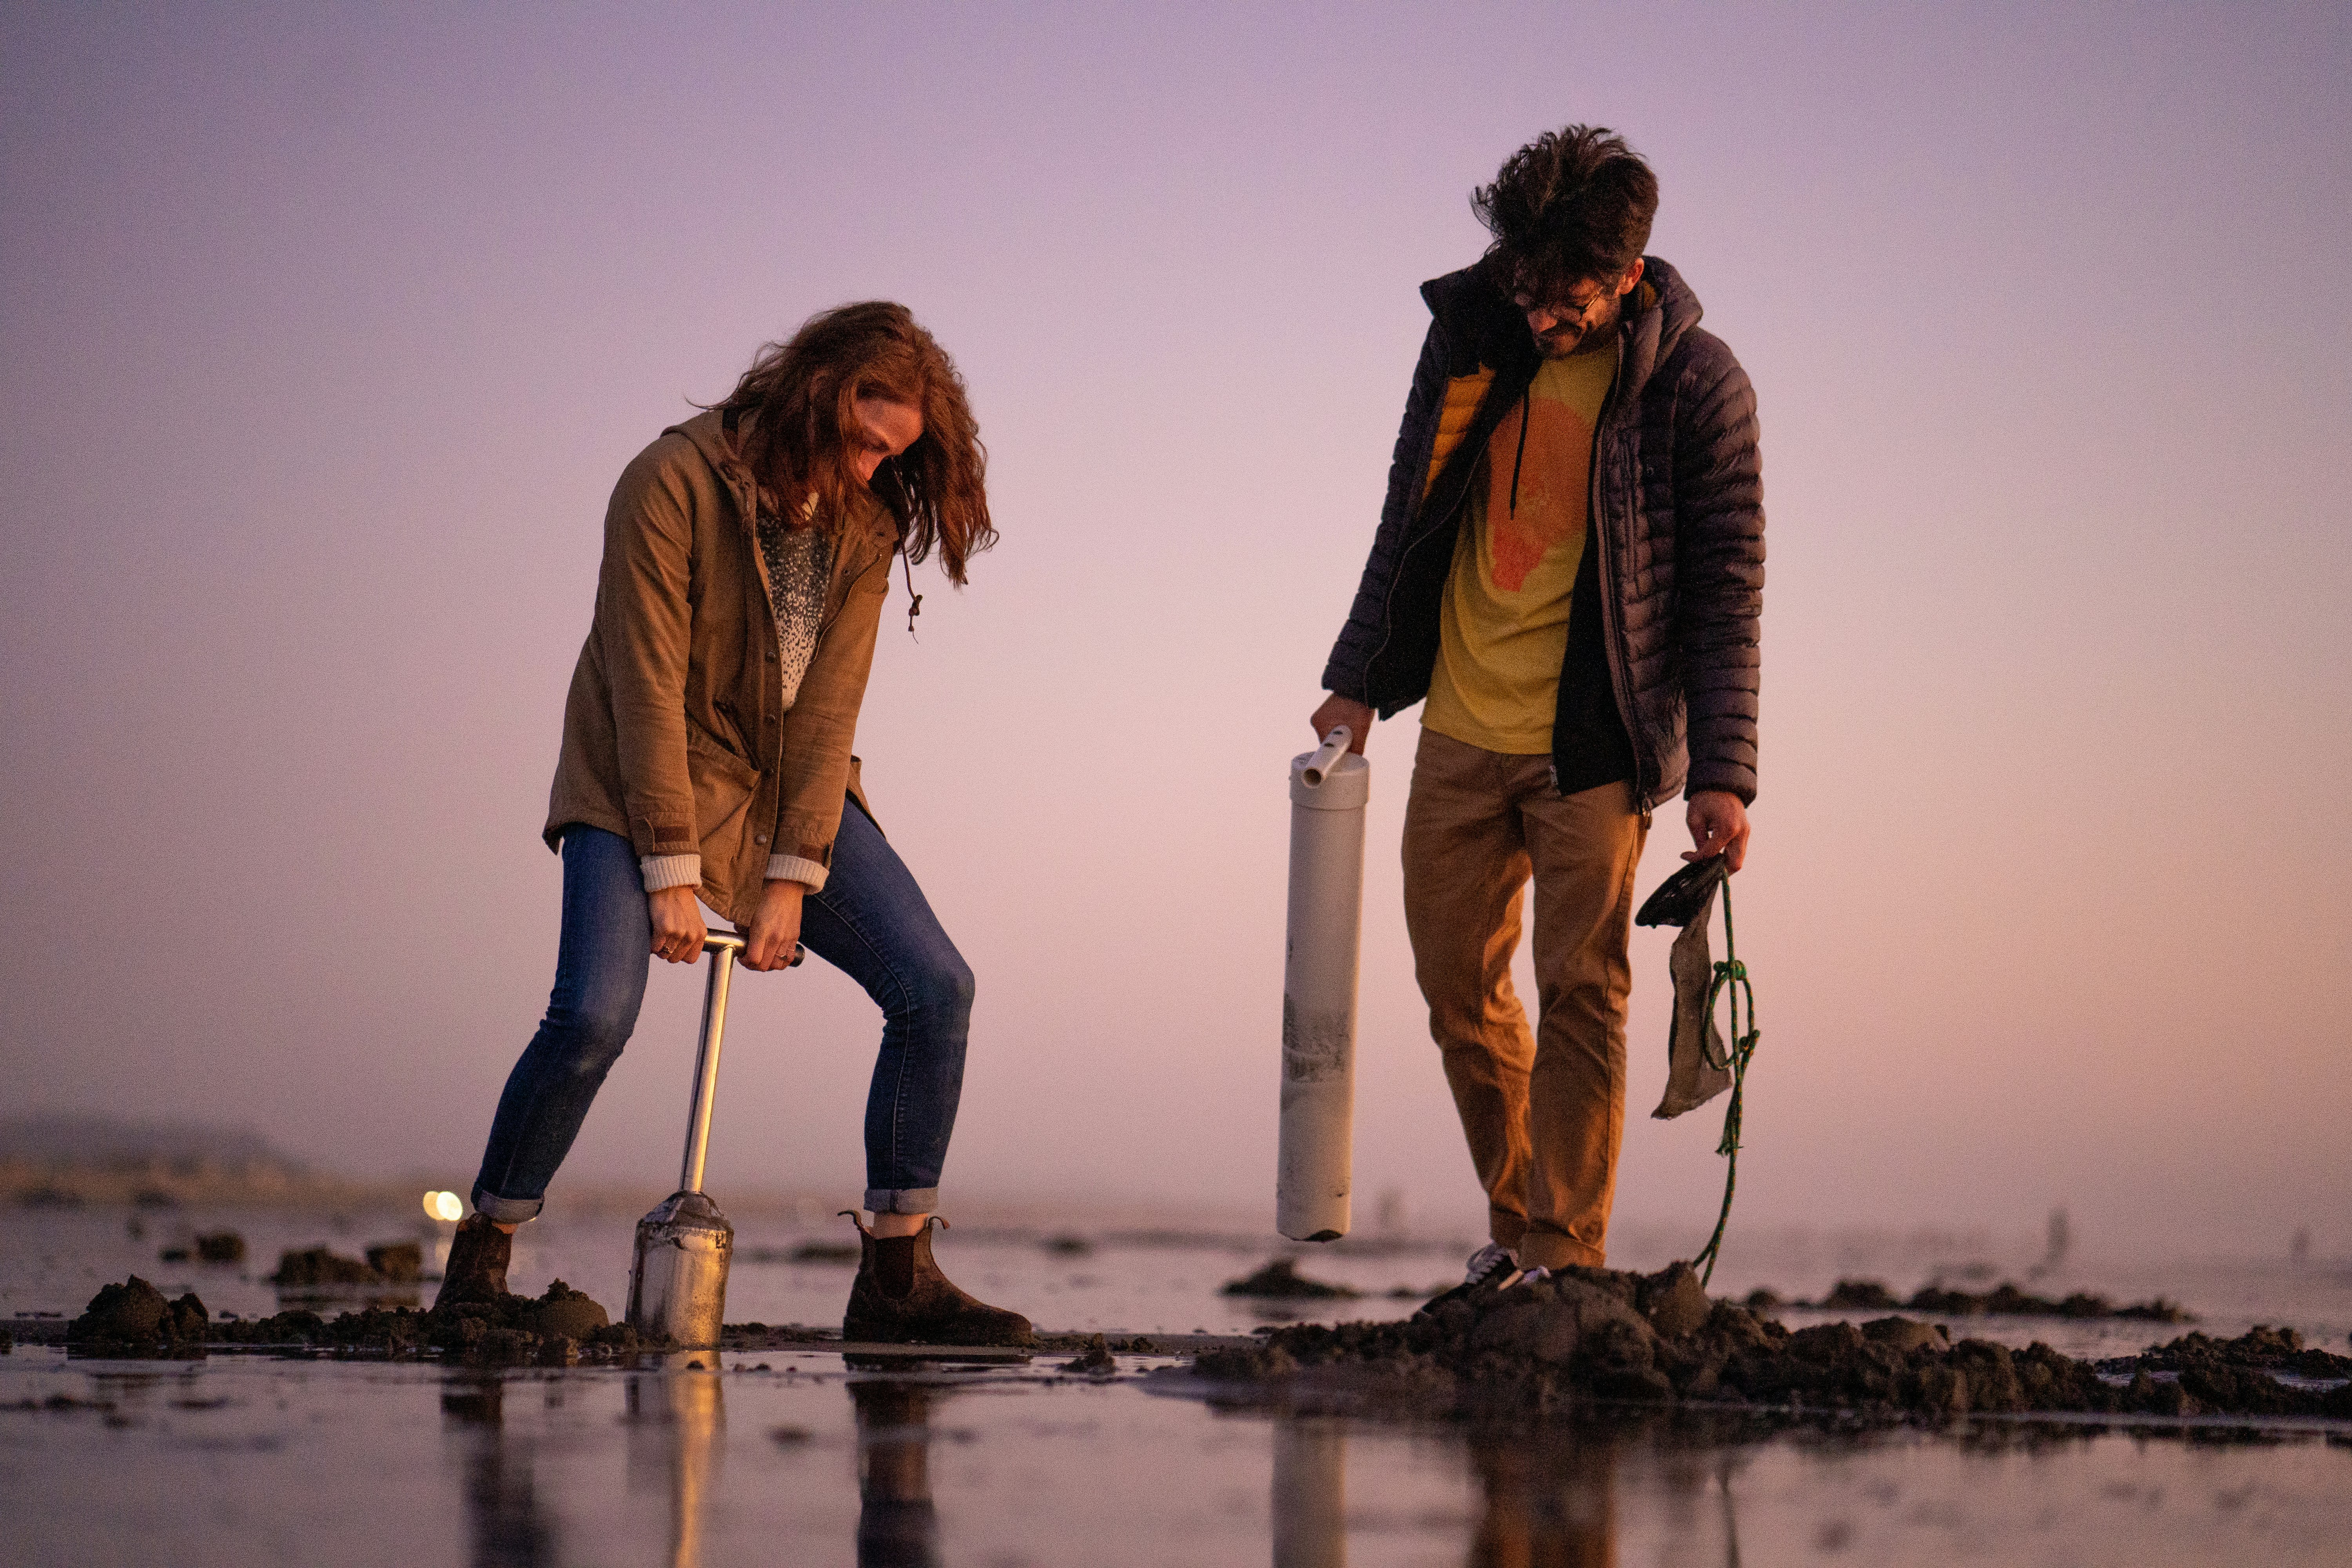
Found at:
<point>678,930</point>
<point>776,928</point>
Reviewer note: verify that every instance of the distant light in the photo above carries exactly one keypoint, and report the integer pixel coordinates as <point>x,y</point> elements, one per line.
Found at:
<point>445,1205</point>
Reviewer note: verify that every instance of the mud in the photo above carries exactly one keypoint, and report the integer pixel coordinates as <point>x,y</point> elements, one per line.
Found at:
<point>1280,1280</point>
<point>2264,1349</point>
<point>1587,1336</point>
<point>1097,1362</point>
<point>561,1328</point>
<point>314,1266</point>
<point>398,1262</point>
<point>2001,1301</point>
<point>220,1247</point>
<point>321,1268</point>
<point>134,1319</point>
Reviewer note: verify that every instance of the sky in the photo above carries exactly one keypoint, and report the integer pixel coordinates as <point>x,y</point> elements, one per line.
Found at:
<point>325,330</point>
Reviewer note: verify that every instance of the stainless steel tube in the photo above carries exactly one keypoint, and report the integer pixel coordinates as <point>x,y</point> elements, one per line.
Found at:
<point>722,946</point>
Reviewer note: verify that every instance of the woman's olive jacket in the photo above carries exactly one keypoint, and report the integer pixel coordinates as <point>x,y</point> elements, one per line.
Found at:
<point>1677,506</point>
<point>674,733</point>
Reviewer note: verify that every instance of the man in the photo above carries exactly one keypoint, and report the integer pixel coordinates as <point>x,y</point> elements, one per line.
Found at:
<point>1569,568</point>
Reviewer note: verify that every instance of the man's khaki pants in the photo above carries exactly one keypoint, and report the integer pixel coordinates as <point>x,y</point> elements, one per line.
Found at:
<point>1545,1111</point>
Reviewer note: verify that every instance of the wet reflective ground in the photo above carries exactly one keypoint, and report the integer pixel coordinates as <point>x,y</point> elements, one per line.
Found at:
<point>780,1458</point>
<point>799,1458</point>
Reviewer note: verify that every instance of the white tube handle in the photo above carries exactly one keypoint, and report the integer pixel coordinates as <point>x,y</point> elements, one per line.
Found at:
<point>1335,746</point>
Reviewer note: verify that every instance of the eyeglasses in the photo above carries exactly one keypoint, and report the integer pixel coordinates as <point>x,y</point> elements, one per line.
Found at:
<point>1567,305</point>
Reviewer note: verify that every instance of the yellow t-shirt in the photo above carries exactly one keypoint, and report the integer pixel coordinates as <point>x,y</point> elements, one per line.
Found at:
<point>1502,629</point>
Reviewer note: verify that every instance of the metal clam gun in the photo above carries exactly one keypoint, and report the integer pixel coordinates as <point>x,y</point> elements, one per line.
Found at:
<point>677,1278</point>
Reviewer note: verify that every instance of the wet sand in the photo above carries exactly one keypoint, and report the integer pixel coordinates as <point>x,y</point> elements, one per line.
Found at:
<point>776,1449</point>
<point>241,1460</point>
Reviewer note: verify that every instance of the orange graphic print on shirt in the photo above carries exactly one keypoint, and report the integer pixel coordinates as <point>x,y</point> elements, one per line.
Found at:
<point>1554,470</point>
<point>1502,628</point>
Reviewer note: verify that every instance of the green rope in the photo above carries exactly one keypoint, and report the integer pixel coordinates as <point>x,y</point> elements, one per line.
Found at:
<point>1731,980</point>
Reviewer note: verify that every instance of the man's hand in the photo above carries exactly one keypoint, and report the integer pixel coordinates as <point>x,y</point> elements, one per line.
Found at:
<point>1339,711</point>
<point>678,930</point>
<point>776,928</point>
<point>1718,825</point>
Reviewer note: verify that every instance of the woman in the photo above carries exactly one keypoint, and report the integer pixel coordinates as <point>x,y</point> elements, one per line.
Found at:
<point>705,750</point>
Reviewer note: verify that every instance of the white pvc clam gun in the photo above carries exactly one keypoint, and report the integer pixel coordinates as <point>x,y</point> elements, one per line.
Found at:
<point>1328,789</point>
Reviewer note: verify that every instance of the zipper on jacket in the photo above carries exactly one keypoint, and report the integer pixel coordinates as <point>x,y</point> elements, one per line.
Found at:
<point>1388,600</point>
<point>1611,619</point>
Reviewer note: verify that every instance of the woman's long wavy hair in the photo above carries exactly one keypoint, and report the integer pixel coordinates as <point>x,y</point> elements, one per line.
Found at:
<point>801,396</point>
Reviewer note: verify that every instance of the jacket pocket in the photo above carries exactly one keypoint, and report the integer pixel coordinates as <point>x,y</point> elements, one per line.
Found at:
<point>723,786</point>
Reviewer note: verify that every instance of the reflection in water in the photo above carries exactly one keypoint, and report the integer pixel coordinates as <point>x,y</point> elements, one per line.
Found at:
<point>1551,1500</point>
<point>505,1526</point>
<point>898,1524</point>
<point>676,1420</point>
<point>1310,1492</point>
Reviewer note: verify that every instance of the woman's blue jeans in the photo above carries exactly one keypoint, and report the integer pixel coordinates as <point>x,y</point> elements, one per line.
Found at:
<point>870,921</point>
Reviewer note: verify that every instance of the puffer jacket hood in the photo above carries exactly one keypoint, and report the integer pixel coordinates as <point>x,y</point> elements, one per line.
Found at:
<point>1678,509</point>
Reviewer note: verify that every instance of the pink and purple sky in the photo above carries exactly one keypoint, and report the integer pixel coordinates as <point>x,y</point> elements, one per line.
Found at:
<point>327,331</point>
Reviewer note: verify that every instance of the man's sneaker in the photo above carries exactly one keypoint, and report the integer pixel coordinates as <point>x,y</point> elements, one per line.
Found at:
<point>1492,1267</point>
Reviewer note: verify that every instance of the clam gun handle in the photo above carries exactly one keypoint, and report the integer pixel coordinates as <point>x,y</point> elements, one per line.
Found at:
<point>724,947</point>
<point>1327,756</point>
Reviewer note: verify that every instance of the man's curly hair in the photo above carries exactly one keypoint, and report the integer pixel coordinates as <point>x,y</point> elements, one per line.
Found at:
<point>1571,205</point>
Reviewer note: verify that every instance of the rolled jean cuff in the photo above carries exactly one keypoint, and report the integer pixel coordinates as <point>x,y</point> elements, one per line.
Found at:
<point>902,1200</point>
<point>507,1211</point>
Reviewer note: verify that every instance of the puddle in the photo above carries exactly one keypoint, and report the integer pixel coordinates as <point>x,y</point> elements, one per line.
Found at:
<point>797,1455</point>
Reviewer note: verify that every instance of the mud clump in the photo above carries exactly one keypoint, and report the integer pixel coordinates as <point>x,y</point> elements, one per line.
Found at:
<point>323,1268</point>
<point>561,1328</point>
<point>310,1266</point>
<point>2001,1301</point>
<point>396,1262</point>
<point>1280,1280</point>
<point>1590,1335</point>
<point>565,1313</point>
<point>1097,1361</point>
<point>2263,1347</point>
<point>134,1319</point>
<point>220,1247</point>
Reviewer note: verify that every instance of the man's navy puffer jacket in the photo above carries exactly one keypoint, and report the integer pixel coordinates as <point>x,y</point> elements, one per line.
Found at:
<point>1678,508</point>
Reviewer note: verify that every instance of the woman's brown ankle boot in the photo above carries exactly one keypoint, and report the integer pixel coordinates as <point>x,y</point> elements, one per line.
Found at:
<point>476,1269</point>
<point>901,1298</point>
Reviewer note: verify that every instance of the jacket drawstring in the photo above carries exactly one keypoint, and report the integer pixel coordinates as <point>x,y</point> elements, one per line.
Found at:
<point>1526,406</point>
<point>916,609</point>
<point>906,526</point>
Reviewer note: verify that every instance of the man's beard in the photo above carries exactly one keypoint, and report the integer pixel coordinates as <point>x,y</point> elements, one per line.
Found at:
<point>1557,345</point>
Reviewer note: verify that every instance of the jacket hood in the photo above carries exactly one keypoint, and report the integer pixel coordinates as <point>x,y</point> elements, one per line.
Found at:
<point>708,430</point>
<point>722,449</point>
<point>1483,322</point>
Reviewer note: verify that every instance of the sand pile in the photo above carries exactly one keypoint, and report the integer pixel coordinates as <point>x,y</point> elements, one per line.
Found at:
<point>1589,1334</point>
